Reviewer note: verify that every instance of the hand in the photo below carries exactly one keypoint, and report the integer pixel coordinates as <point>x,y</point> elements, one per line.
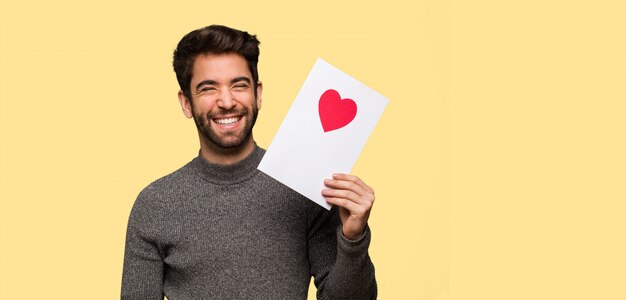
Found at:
<point>354,199</point>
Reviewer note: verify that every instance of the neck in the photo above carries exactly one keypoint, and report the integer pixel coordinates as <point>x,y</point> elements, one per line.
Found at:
<point>225,156</point>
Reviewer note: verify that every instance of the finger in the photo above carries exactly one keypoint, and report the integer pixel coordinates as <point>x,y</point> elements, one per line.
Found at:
<point>355,179</point>
<point>351,186</point>
<point>345,185</point>
<point>352,207</point>
<point>343,194</point>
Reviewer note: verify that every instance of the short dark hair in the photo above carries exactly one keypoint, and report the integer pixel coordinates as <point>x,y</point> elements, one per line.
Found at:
<point>214,39</point>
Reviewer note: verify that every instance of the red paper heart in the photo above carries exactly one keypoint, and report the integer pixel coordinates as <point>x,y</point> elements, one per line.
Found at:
<point>335,112</point>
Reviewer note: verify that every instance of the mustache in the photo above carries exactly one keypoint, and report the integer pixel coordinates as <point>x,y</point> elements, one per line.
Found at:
<point>221,113</point>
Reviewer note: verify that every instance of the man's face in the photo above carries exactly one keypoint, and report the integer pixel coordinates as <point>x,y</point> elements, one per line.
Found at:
<point>224,106</point>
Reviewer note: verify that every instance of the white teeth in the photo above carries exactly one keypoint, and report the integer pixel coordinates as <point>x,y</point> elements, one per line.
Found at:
<point>226,121</point>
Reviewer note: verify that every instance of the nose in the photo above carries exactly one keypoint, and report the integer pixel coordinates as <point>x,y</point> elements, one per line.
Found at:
<point>226,100</point>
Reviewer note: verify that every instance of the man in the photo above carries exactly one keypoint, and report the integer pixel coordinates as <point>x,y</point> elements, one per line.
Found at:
<point>218,228</point>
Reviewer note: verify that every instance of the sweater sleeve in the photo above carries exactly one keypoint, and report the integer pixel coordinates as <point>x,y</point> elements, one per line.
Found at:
<point>142,276</point>
<point>342,269</point>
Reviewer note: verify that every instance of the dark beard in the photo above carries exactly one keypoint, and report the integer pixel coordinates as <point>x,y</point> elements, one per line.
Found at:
<point>203,123</point>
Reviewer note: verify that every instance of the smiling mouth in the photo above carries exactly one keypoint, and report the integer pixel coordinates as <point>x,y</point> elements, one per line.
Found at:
<point>227,121</point>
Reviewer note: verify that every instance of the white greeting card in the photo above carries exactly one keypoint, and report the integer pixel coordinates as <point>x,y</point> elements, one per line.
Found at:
<point>324,131</point>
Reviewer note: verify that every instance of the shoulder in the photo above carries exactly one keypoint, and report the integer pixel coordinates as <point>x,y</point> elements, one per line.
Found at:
<point>168,188</point>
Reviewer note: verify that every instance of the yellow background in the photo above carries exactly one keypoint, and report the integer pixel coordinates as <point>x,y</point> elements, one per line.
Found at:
<point>499,164</point>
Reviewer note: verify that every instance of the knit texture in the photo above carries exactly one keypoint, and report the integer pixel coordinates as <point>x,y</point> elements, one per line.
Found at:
<point>209,231</point>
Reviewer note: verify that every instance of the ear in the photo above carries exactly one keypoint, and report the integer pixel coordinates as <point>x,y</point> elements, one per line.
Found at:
<point>259,94</point>
<point>185,104</point>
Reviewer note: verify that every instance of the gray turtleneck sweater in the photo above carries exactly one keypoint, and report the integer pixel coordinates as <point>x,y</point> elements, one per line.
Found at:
<point>209,231</point>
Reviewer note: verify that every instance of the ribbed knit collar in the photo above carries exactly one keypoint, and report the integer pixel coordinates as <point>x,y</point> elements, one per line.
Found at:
<point>228,174</point>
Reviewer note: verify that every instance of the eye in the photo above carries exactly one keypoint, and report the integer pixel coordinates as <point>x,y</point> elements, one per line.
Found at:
<point>240,87</point>
<point>207,90</point>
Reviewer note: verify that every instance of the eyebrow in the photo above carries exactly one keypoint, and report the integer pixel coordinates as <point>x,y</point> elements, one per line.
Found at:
<point>242,78</point>
<point>213,82</point>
